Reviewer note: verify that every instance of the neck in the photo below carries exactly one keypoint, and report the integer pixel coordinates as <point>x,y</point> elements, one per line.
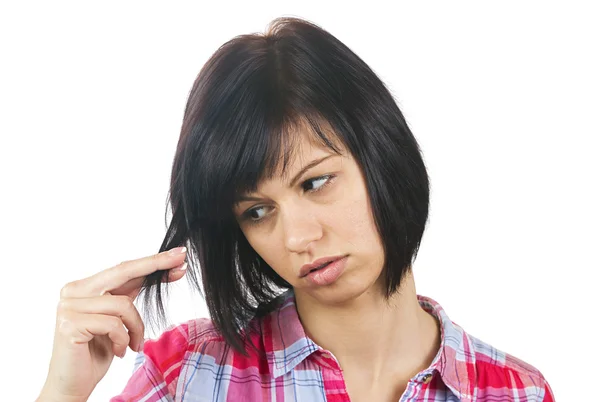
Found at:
<point>372,338</point>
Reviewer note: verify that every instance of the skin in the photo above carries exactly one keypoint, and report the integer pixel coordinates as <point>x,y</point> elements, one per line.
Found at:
<point>298,227</point>
<point>96,320</point>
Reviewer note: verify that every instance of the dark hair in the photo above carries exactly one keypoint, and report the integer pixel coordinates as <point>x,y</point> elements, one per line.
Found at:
<point>240,119</point>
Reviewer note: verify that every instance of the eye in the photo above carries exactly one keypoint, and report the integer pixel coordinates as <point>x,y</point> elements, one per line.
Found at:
<point>325,179</point>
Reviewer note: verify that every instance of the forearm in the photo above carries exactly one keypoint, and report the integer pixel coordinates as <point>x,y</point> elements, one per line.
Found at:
<point>48,395</point>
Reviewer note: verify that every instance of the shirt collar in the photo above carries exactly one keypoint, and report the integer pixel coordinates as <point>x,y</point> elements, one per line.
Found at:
<point>287,345</point>
<point>455,360</point>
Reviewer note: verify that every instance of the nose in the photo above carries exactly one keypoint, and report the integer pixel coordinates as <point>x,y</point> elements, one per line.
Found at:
<point>300,227</point>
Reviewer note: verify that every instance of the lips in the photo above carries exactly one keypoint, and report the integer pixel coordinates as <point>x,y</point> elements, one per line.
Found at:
<point>318,264</point>
<point>328,275</point>
<point>321,267</point>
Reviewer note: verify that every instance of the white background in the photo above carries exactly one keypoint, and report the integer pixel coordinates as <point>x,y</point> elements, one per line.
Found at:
<point>503,99</point>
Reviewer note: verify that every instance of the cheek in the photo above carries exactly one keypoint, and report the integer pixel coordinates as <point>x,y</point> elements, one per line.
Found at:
<point>357,220</point>
<point>365,242</point>
<point>255,242</point>
<point>264,246</point>
<point>358,226</point>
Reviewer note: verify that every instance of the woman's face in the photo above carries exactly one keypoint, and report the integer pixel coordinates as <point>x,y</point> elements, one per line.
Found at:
<point>292,226</point>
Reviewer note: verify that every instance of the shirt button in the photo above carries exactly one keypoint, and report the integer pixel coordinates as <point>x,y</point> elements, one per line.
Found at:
<point>427,378</point>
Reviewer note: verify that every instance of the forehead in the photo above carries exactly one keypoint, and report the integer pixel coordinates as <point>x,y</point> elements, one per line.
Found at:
<point>302,151</point>
<point>299,146</point>
<point>284,154</point>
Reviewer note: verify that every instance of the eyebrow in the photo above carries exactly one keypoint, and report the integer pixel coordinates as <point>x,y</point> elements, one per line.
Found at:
<point>292,182</point>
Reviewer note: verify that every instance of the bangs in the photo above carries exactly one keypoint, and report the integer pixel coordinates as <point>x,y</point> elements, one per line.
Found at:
<point>259,151</point>
<point>280,144</point>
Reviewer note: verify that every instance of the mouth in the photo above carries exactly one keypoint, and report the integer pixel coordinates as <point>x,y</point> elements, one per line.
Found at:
<point>327,273</point>
<point>319,267</point>
<point>322,266</point>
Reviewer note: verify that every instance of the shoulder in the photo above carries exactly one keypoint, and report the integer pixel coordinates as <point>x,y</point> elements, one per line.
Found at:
<point>196,338</point>
<point>158,367</point>
<point>178,339</point>
<point>489,357</point>
<point>167,352</point>
<point>498,369</point>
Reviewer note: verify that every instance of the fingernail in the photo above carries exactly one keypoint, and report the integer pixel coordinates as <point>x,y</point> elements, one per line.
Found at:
<point>122,355</point>
<point>183,267</point>
<point>177,251</point>
<point>141,346</point>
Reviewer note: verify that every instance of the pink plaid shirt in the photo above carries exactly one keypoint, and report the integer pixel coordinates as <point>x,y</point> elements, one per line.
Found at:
<point>191,362</point>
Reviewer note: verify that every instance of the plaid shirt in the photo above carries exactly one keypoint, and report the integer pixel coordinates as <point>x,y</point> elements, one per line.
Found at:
<point>191,362</point>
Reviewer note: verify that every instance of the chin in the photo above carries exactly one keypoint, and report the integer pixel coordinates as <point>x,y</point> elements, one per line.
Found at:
<point>343,291</point>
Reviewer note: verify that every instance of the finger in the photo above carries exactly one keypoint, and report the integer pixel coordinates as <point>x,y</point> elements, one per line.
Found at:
<point>132,273</point>
<point>177,273</point>
<point>81,328</point>
<point>113,278</point>
<point>118,306</point>
<point>132,288</point>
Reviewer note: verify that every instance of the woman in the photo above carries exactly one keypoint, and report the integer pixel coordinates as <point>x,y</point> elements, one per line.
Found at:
<point>302,198</point>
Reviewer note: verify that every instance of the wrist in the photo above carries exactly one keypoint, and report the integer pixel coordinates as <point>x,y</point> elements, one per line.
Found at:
<point>48,395</point>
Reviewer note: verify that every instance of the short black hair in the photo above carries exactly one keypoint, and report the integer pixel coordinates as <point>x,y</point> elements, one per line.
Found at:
<point>242,110</point>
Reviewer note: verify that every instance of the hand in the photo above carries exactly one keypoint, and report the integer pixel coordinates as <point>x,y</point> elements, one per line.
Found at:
<point>89,324</point>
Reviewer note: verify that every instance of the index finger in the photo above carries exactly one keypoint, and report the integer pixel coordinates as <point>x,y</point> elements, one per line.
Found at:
<point>119,275</point>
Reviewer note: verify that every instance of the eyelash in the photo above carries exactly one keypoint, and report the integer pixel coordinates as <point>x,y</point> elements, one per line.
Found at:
<point>329,177</point>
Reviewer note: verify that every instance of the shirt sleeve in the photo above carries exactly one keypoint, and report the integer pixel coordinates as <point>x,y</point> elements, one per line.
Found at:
<point>547,395</point>
<point>156,369</point>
